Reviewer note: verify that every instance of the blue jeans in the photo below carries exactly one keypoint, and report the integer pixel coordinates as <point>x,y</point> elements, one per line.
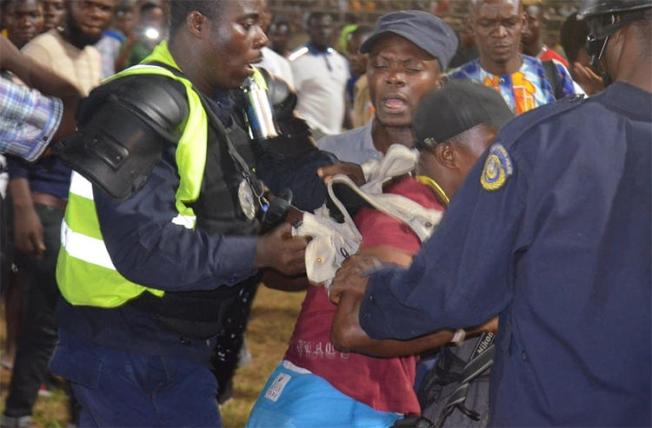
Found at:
<point>127,389</point>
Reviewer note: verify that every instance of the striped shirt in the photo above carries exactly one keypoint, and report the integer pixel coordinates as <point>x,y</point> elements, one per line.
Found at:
<point>28,120</point>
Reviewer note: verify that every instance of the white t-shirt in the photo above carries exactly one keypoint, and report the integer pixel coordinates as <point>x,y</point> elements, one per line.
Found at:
<point>277,66</point>
<point>320,80</point>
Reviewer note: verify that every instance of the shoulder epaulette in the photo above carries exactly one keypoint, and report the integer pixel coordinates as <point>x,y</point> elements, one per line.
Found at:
<point>298,53</point>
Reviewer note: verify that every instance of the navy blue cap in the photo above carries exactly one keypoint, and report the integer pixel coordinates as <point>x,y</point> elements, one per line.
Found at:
<point>421,28</point>
<point>457,107</point>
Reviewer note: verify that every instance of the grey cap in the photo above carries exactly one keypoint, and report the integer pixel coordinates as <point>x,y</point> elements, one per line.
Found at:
<point>421,28</point>
<point>457,107</point>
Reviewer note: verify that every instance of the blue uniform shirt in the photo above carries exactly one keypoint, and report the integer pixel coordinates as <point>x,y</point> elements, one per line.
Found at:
<point>561,251</point>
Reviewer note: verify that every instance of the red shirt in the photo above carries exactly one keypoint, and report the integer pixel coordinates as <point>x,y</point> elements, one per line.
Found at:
<point>548,54</point>
<point>386,384</point>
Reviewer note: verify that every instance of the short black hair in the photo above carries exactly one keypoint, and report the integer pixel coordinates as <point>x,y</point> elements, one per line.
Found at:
<point>317,15</point>
<point>475,4</point>
<point>180,9</point>
<point>8,3</point>
<point>124,6</point>
<point>573,36</point>
<point>149,6</point>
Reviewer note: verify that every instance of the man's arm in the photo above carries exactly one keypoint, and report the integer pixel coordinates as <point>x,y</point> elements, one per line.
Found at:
<point>148,248</point>
<point>348,336</point>
<point>28,230</point>
<point>44,80</point>
<point>461,277</point>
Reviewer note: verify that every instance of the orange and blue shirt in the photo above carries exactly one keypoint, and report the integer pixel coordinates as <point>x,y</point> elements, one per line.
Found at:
<point>524,90</point>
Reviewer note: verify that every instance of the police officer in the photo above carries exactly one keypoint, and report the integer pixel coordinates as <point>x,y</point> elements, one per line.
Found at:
<point>551,231</point>
<point>159,254</point>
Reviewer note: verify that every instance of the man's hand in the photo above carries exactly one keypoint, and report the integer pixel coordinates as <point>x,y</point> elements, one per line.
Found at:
<point>351,170</point>
<point>28,232</point>
<point>352,277</point>
<point>587,79</point>
<point>279,250</point>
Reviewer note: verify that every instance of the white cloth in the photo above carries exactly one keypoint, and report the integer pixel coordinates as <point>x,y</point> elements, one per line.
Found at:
<point>320,81</point>
<point>333,242</point>
<point>277,66</point>
<point>355,145</point>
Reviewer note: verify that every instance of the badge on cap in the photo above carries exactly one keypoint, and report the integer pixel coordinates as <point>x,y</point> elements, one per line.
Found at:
<point>246,199</point>
<point>497,168</point>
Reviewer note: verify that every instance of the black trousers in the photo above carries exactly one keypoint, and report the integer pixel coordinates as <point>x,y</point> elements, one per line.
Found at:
<point>39,331</point>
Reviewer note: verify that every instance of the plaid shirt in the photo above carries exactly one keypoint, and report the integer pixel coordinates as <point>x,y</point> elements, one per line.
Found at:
<point>28,120</point>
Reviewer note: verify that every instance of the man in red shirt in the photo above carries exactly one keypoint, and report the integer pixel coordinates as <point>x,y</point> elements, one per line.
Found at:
<point>342,377</point>
<point>531,39</point>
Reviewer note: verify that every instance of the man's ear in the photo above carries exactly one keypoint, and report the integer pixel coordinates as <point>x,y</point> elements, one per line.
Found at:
<point>445,155</point>
<point>195,22</point>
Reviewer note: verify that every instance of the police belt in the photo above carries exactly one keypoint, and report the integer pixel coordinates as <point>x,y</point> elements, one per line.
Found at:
<point>196,315</point>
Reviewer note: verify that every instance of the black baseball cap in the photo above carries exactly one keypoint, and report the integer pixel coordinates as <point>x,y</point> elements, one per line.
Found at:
<point>423,29</point>
<point>457,107</point>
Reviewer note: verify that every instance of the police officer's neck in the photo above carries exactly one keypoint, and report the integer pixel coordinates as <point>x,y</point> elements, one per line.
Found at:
<point>384,136</point>
<point>191,64</point>
<point>633,63</point>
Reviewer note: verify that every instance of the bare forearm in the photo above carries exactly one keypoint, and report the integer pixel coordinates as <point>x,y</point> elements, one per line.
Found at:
<point>347,335</point>
<point>21,194</point>
<point>41,78</point>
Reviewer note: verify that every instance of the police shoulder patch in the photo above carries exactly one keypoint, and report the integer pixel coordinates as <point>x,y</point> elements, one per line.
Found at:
<point>497,168</point>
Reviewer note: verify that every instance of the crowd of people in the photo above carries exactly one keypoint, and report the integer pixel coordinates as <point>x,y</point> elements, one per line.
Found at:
<point>467,209</point>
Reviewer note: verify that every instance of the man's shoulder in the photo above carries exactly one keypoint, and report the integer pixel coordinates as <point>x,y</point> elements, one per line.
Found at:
<point>570,112</point>
<point>48,40</point>
<point>352,136</point>
<point>271,54</point>
<point>335,54</point>
<point>552,55</point>
<point>298,54</point>
<point>465,71</point>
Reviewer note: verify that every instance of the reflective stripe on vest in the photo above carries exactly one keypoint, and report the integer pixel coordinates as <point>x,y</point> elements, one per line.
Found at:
<point>85,272</point>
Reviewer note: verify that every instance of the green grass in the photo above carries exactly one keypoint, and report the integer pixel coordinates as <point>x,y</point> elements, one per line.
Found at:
<point>272,321</point>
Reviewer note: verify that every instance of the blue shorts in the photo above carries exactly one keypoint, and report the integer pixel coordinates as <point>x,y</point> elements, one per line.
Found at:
<point>295,398</point>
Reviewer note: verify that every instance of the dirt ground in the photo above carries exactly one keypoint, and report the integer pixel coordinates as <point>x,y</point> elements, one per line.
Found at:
<point>273,317</point>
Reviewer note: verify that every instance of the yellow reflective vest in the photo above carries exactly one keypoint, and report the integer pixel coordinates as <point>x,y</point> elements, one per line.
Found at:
<point>85,273</point>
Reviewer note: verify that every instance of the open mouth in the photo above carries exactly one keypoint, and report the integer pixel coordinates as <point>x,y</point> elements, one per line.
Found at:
<point>395,104</point>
